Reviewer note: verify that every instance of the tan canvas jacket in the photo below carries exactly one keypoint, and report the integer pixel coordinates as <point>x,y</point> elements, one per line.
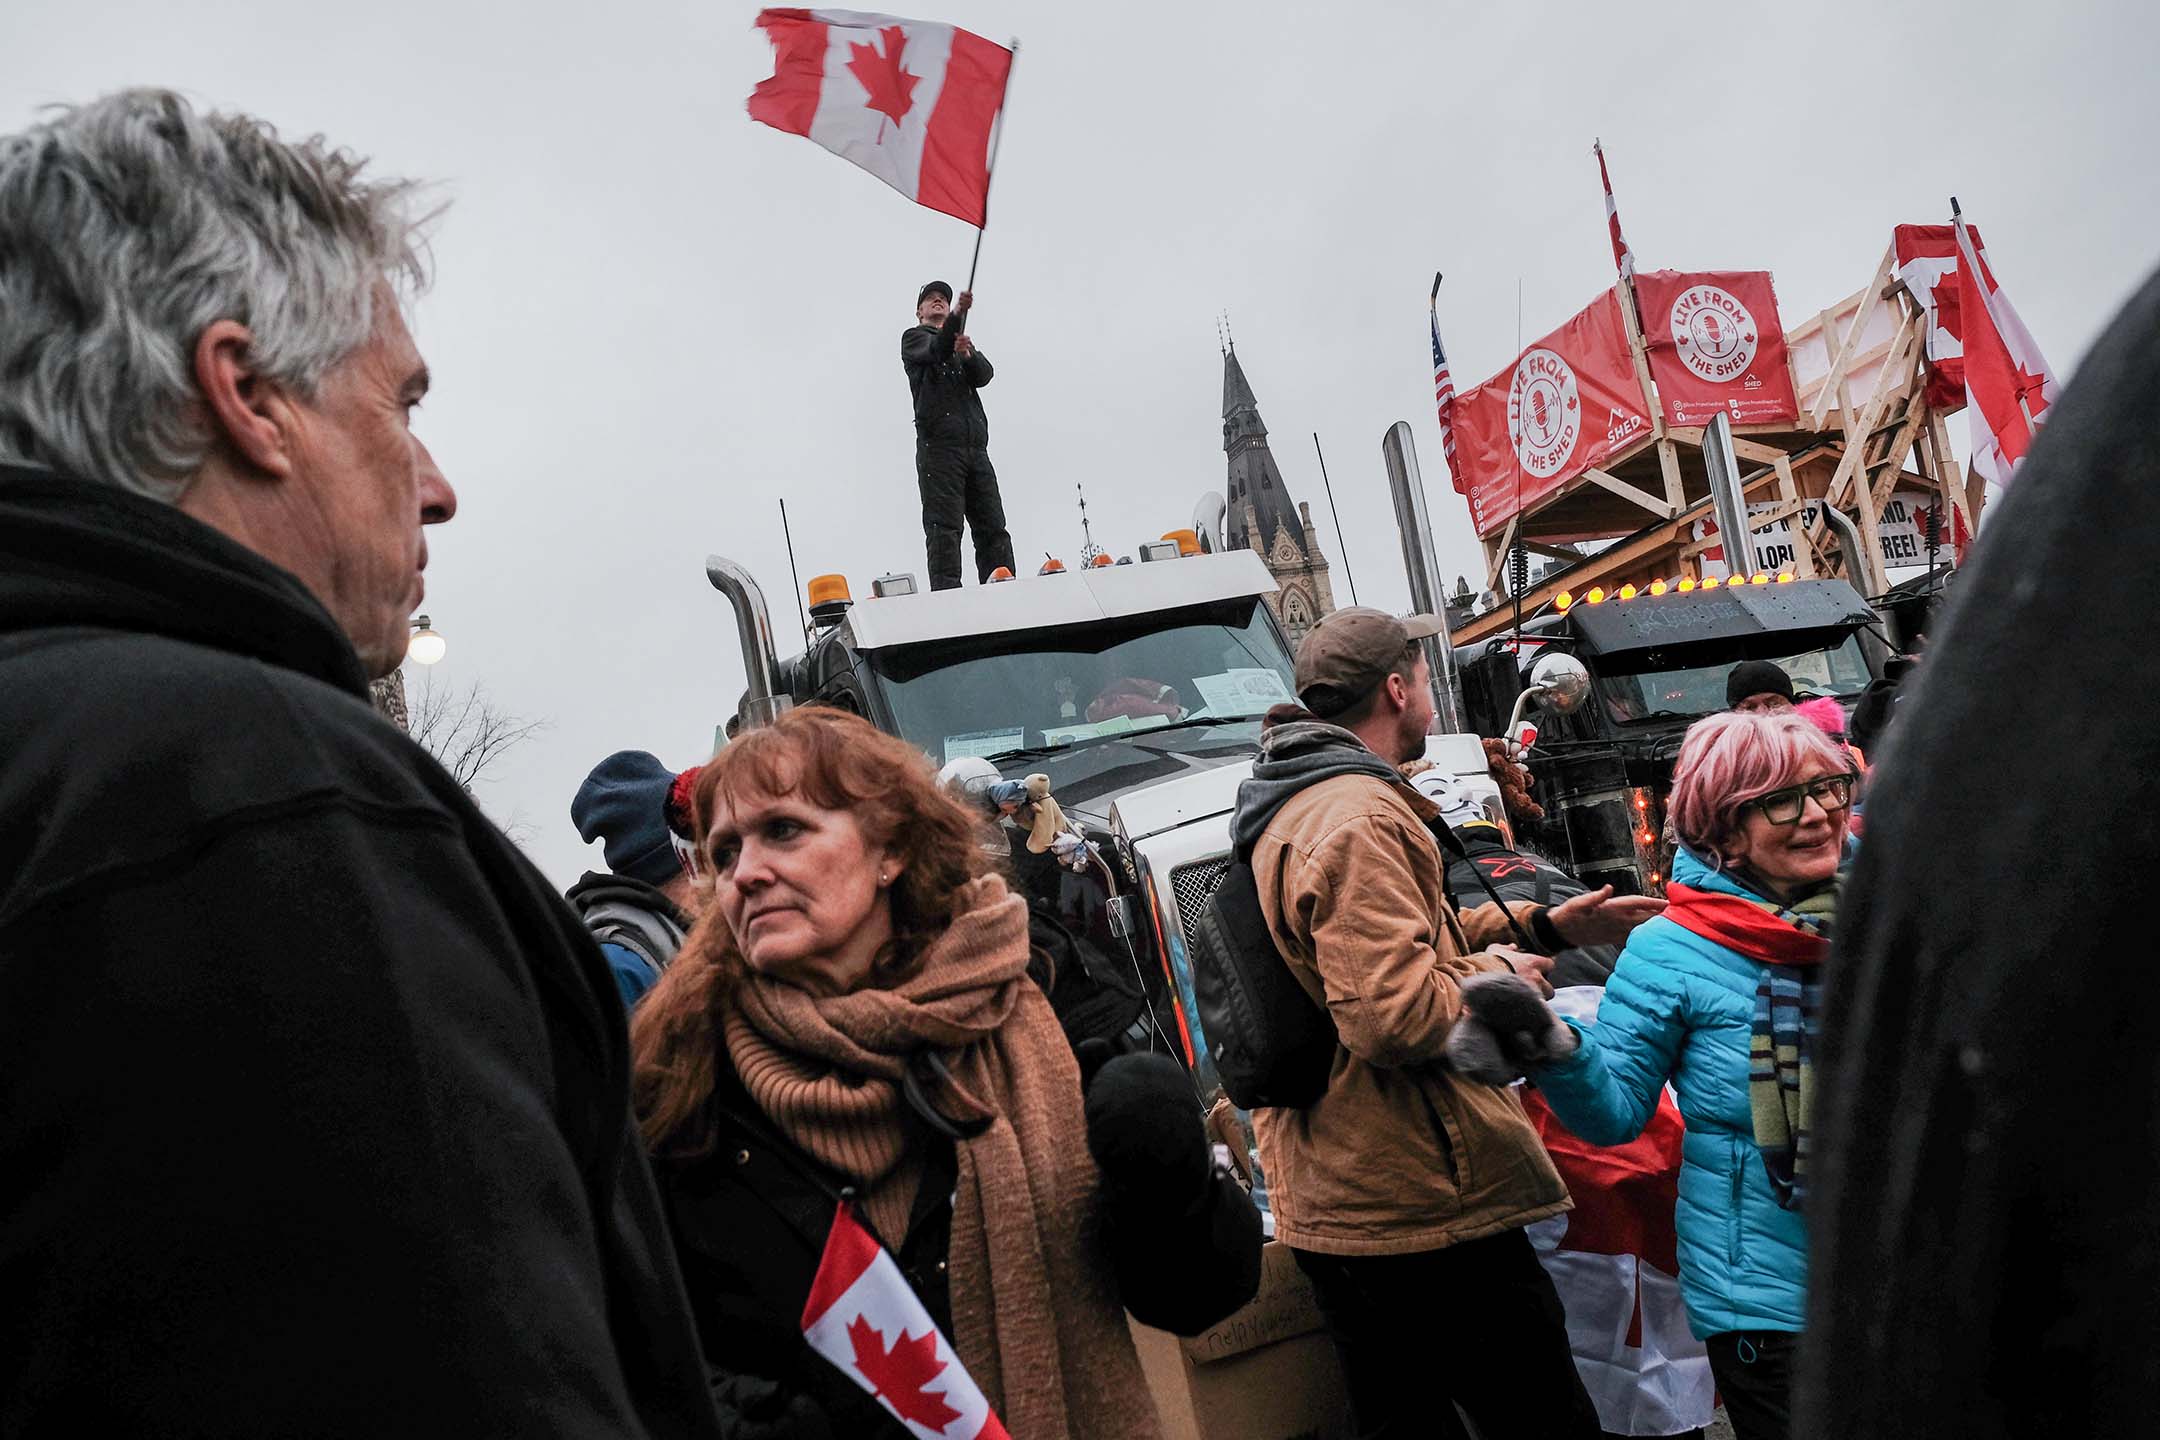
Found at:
<point>1399,1155</point>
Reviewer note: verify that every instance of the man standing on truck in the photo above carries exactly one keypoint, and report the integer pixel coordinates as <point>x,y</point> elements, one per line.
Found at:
<point>1404,1189</point>
<point>952,438</point>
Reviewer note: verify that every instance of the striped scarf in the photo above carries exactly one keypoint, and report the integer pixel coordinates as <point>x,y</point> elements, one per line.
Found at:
<point>1785,1030</point>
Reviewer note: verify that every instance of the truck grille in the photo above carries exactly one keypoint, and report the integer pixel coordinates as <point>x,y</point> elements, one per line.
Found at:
<point>1193,885</point>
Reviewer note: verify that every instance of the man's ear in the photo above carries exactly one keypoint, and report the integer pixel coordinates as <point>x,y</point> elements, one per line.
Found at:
<point>251,414</point>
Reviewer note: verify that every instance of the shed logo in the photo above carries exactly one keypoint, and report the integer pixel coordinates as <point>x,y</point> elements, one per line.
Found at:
<point>1714,333</point>
<point>1544,413</point>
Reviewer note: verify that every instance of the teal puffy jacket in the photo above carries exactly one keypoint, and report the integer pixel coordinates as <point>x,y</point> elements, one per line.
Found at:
<point>1677,1009</point>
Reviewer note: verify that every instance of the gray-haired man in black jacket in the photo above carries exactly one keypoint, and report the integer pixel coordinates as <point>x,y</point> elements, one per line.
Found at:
<point>952,438</point>
<point>314,1098</point>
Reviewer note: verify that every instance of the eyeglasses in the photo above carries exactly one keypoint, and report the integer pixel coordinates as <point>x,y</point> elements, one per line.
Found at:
<point>1785,807</point>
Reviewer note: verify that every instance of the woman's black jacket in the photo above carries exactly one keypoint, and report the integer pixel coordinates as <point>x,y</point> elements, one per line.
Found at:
<point>750,1219</point>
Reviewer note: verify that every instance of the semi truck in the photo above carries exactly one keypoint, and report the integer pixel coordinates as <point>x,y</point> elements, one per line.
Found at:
<point>1611,682</point>
<point>1137,688</point>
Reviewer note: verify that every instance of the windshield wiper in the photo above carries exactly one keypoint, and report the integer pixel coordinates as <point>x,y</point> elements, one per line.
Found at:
<point>1037,752</point>
<point>1661,715</point>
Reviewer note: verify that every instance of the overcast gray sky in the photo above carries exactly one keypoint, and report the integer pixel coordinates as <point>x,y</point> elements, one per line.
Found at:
<point>653,318</point>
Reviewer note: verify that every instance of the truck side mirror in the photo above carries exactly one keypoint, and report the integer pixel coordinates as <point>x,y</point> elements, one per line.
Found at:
<point>1560,682</point>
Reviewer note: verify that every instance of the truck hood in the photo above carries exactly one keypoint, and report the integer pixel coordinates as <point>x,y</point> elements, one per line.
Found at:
<point>1092,779</point>
<point>1728,613</point>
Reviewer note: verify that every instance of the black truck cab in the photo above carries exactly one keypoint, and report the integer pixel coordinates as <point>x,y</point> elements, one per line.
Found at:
<point>1657,660</point>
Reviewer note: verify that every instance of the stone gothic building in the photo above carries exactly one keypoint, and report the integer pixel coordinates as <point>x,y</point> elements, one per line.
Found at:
<point>1263,518</point>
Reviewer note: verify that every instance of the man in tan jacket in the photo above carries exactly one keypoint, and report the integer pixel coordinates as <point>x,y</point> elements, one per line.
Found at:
<point>1403,1191</point>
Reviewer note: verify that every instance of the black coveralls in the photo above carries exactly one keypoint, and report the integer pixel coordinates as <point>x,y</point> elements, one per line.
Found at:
<point>952,456</point>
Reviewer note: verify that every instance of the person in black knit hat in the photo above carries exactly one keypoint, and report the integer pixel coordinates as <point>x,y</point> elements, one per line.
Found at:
<point>1758,685</point>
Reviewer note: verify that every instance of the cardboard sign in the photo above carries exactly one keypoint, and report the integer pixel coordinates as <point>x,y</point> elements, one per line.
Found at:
<point>1903,528</point>
<point>1716,344</point>
<point>1568,403</point>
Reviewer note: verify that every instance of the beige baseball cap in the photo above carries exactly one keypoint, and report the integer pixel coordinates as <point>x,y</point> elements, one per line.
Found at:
<point>1351,651</point>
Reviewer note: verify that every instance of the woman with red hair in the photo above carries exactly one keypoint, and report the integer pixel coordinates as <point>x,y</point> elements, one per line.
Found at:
<point>853,1023</point>
<point>1718,998</point>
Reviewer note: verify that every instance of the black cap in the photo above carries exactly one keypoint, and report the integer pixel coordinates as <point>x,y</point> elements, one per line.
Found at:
<point>1756,677</point>
<point>935,287</point>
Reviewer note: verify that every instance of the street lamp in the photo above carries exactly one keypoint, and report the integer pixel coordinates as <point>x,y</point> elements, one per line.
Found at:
<point>426,647</point>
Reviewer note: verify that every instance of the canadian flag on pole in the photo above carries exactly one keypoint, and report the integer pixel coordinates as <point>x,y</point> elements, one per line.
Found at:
<point>863,1316</point>
<point>1978,349</point>
<point>910,101</point>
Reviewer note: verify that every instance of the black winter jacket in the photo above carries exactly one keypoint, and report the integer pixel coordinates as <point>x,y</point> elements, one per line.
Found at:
<point>314,1105</point>
<point>947,409</point>
<point>750,1218</point>
<point>1986,1222</point>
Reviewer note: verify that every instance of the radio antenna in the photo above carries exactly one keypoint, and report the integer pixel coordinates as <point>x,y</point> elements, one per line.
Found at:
<point>793,574</point>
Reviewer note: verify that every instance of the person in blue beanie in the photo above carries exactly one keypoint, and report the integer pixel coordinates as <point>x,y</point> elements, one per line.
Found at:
<point>640,909</point>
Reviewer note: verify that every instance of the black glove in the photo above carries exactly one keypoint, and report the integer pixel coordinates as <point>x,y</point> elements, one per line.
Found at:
<point>1093,1053</point>
<point>1505,1031</point>
<point>1145,1132</point>
<point>753,1408</point>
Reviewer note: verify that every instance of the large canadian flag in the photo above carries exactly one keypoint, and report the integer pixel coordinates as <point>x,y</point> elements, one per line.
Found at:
<point>1978,350</point>
<point>1615,1260</point>
<point>910,101</point>
<point>864,1317</point>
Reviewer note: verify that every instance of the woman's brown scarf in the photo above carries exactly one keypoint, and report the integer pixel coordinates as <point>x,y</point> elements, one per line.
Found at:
<point>1036,1318</point>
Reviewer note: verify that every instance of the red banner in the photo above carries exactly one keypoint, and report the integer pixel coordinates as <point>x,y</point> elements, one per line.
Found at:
<point>1716,344</point>
<point>1567,404</point>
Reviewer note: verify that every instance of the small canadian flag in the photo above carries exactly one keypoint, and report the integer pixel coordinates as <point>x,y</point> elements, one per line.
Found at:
<point>864,1317</point>
<point>911,101</point>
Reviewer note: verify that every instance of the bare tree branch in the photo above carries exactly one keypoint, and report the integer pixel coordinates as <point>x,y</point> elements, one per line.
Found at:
<point>465,730</point>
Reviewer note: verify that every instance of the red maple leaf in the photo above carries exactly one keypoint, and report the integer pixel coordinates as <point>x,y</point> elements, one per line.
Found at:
<point>892,89</point>
<point>897,1376</point>
<point>1945,294</point>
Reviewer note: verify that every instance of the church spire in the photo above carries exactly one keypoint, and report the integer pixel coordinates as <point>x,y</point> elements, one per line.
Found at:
<point>1254,475</point>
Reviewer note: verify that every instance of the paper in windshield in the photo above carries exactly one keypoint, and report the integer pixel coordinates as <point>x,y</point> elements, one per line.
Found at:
<point>1243,691</point>
<point>982,742</point>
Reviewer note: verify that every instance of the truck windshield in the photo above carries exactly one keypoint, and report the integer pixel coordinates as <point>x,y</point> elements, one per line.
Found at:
<point>1838,669</point>
<point>1212,667</point>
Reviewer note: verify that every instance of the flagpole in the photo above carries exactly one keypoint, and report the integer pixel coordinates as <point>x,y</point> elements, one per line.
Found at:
<point>990,171</point>
<point>1957,219</point>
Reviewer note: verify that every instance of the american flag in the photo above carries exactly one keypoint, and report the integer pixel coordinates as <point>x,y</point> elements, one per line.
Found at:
<point>1443,394</point>
<point>1621,254</point>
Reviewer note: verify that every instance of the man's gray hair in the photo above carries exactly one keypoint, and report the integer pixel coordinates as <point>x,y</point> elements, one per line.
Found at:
<point>128,226</point>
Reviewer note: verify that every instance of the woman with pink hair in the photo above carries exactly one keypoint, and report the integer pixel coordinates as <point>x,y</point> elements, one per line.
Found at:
<point>1718,998</point>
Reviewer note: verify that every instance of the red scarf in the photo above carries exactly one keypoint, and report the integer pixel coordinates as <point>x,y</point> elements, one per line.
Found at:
<point>1743,925</point>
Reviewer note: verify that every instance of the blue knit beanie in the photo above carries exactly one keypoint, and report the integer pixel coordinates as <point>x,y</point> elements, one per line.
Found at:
<point>623,804</point>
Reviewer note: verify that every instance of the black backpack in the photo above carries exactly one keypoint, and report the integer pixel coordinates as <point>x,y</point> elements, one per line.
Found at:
<point>1271,1044</point>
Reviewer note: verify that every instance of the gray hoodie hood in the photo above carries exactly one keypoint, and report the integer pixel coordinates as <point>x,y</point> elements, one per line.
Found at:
<point>1293,756</point>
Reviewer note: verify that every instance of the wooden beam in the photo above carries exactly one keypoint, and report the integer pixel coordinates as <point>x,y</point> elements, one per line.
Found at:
<point>1789,489</point>
<point>1842,482</point>
<point>1624,292</point>
<point>1497,556</point>
<point>1626,491</point>
<point>1841,359</point>
<point>1754,450</point>
<point>1551,552</point>
<point>1668,459</point>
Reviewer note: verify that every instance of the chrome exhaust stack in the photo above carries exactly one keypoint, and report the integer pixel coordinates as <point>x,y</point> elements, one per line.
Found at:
<point>1399,449</point>
<point>763,699</point>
